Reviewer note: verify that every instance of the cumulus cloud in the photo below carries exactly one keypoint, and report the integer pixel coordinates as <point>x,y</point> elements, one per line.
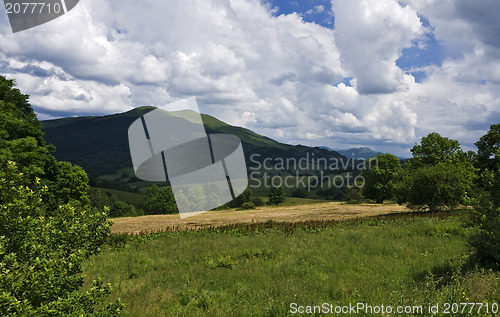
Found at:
<point>371,36</point>
<point>286,78</point>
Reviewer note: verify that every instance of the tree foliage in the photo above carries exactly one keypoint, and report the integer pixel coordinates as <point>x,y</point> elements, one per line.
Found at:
<point>488,148</point>
<point>439,176</point>
<point>244,197</point>
<point>21,141</point>
<point>41,255</point>
<point>485,242</point>
<point>436,187</point>
<point>434,149</point>
<point>47,228</point>
<point>276,196</point>
<point>160,200</point>
<point>380,180</point>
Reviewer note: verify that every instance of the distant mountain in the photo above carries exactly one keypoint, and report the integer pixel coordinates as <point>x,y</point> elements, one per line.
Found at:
<point>359,153</point>
<point>356,152</point>
<point>326,148</point>
<point>99,144</point>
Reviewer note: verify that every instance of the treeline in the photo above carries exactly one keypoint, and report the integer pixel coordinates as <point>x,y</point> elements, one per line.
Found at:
<point>160,200</point>
<point>441,176</point>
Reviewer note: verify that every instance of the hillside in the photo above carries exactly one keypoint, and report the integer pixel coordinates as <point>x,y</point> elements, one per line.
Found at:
<point>99,144</point>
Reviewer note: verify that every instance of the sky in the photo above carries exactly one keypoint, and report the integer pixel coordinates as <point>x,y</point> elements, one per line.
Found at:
<point>337,73</point>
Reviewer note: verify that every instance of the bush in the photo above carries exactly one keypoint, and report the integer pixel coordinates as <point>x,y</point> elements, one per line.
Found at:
<point>247,205</point>
<point>257,201</point>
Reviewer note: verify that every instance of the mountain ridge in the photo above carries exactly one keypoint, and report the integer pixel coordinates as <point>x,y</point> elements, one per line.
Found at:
<point>99,144</point>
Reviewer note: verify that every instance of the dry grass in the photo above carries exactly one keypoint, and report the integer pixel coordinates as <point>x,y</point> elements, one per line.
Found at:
<point>300,213</point>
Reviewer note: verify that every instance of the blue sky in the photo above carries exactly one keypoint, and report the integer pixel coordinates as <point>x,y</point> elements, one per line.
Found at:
<point>337,73</point>
<point>315,11</point>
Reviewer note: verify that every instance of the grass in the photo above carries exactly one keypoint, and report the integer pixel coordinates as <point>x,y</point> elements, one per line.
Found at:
<point>261,270</point>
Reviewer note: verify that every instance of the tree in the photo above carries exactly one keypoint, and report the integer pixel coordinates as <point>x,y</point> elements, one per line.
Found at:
<point>434,149</point>
<point>159,201</point>
<point>276,196</point>
<point>487,149</point>
<point>21,141</point>
<point>244,197</point>
<point>380,180</point>
<point>437,187</point>
<point>47,227</point>
<point>485,241</point>
<point>439,176</point>
<point>122,209</point>
<point>41,256</point>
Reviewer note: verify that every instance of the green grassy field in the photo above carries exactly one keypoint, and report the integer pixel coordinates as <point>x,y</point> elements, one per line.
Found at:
<point>262,271</point>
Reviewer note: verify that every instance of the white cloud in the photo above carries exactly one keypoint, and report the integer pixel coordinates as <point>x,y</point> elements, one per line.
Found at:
<point>277,75</point>
<point>371,36</point>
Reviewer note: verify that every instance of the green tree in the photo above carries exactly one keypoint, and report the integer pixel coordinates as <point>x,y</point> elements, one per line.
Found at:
<point>436,187</point>
<point>434,149</point>
<point>159,201</point>
<point>380,180</point>
<point>485,241</point>
<point>41,256</point>
<point>488,157</point>
<point>354,194</point>
<point>47,227</point>
<point>244,197</point>
<point>99,200</point>
<point>439,176</point>
<point>21,141</point>
<point>122,209</point>
<point>276,196</point>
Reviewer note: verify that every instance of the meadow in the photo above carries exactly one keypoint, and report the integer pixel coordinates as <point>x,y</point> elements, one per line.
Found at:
<point>263,269</point>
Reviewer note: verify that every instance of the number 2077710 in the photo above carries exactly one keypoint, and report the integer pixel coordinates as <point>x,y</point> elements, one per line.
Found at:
<point>32,7</point>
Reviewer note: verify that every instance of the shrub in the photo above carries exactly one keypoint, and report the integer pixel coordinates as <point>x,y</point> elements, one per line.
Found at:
<point>257,201</point>
<point>247,205</point>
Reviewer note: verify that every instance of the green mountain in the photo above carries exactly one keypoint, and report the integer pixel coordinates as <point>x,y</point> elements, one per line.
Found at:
<point>99,144</point>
